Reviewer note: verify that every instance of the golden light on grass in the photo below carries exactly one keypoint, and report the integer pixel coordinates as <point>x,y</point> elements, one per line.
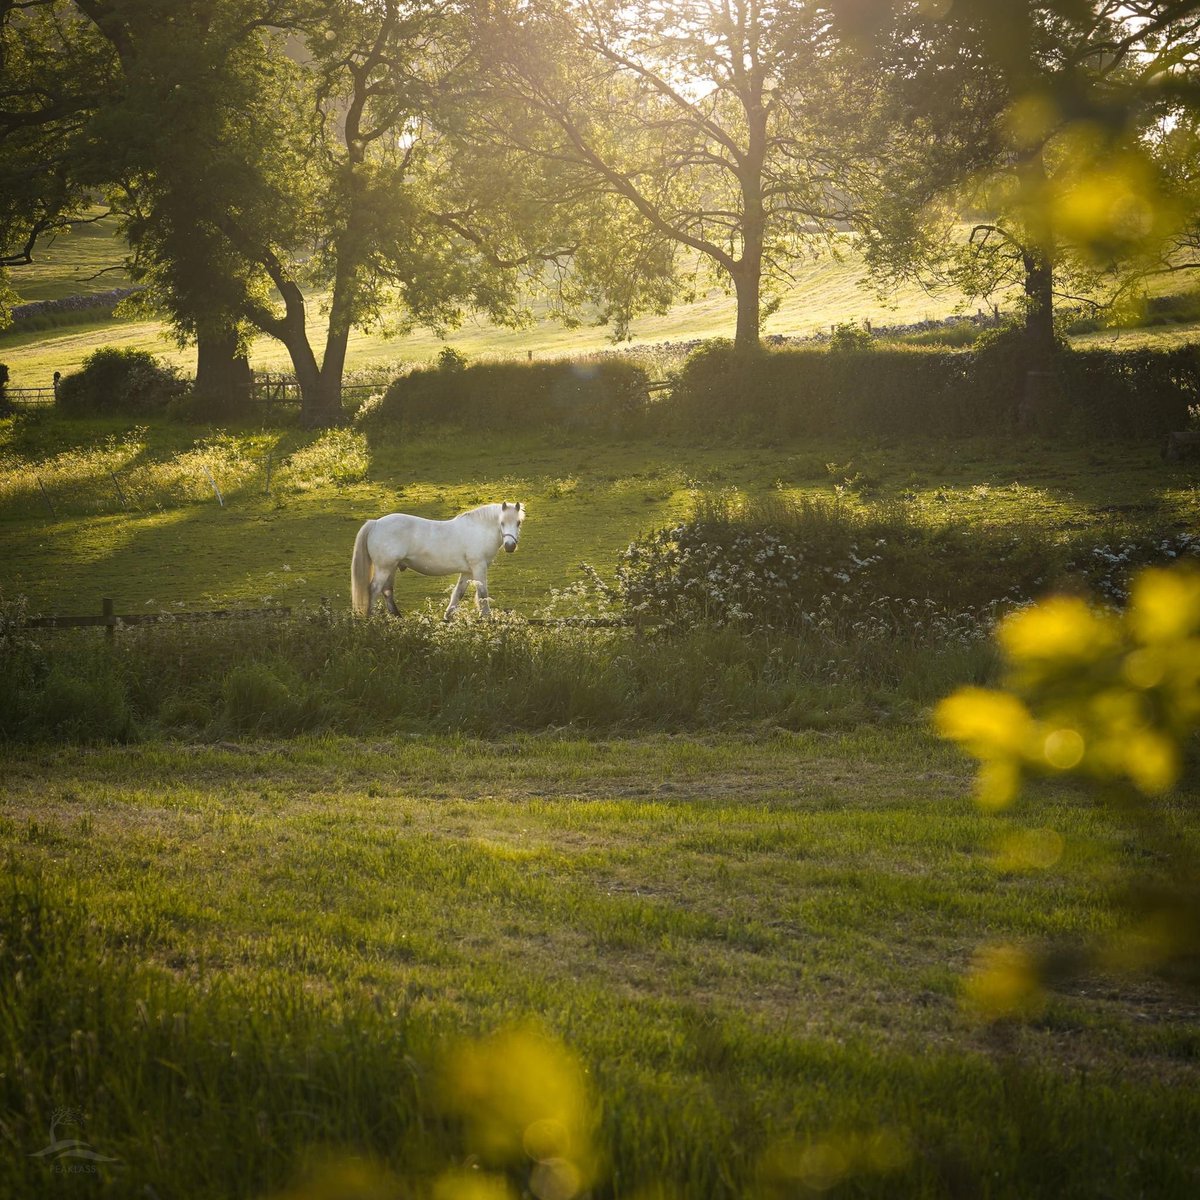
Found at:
<point>827,1161</point>
<point>472,1185</point>
<point>1030,849</point>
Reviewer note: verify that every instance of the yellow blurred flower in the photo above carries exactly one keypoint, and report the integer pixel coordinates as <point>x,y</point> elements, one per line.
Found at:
<point>1003,982</point>
<point>1059,633</point>
<point>524,1098</point>
<point>1063,748</point>
<point>987,723</point>
<point>1165,605</point>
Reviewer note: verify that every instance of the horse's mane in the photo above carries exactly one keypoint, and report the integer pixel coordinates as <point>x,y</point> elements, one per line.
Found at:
<point>480,511</point>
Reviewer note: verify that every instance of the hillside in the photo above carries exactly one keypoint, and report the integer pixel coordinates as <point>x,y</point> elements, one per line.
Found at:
<point>827,290</point>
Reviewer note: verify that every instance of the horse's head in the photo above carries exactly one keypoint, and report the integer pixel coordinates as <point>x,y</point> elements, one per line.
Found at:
<point>511,516</point>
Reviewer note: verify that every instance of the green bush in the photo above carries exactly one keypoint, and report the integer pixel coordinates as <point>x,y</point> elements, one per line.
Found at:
<point>603,395</point>
<point>867,574</point>
<point>78,705</point>
<point>114,380</point>
<point>805,392</point>
<point>916,391</point>
<point>256,700</point>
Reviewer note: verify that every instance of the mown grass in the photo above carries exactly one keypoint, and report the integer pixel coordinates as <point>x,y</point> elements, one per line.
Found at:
<point>754,943</point>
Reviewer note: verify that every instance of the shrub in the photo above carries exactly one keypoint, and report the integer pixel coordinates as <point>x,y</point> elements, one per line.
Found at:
<point>605,395</point>
<point>256,700</point>
<point>849,336</point>
<point>915,390</point>
<point>794,565</point>
<point>812,391</point>
<point>114,380</point>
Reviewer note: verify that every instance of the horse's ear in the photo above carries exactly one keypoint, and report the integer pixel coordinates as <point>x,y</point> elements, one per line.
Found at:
<point>518,506</point>
<point>504,506</point>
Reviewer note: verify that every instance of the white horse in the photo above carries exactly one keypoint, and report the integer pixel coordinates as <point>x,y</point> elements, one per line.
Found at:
<point>466,544</point>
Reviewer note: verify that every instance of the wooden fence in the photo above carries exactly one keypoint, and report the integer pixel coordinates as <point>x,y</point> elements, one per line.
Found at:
<point>111,621</point>
<point>268,393</point>
<point>29,396</point>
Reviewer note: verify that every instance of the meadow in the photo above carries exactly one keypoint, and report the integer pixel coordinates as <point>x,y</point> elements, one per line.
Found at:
<point>733,878</point>
<point>239,962</point>
<point>92,508</point>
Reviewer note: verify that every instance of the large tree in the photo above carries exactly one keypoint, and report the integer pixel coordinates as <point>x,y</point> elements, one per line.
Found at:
<point>1062,187</point>
<point>728,129</point>
<point>54,73</point>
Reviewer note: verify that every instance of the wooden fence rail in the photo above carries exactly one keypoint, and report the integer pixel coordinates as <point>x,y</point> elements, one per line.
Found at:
<point>29,395</point>
<point>111,621</point>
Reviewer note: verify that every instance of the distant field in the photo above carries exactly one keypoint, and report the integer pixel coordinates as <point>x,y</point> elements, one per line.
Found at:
<point>826,291</point>
<point>87,259</point>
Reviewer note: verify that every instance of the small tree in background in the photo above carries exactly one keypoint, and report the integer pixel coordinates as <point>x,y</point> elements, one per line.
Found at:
<point>1066,189</point>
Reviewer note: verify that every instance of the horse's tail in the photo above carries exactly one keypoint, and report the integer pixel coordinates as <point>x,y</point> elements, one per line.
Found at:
<point>360,573</point>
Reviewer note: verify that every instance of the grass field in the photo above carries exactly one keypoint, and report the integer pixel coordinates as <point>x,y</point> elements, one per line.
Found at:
<point>231,958</point>
<point>176,546</point>
<point>755,944</point>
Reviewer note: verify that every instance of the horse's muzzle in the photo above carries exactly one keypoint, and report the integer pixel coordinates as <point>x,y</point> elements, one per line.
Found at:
<point>510,546</point>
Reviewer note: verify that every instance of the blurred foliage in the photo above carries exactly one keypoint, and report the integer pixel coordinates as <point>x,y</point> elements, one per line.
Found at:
<point>527,1114</point>
<point>1062,133</point>
<point>1112,699</point>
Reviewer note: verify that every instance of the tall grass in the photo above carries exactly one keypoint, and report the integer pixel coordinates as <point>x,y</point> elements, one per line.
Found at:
<point>325,671</point>
<point>134,470</point>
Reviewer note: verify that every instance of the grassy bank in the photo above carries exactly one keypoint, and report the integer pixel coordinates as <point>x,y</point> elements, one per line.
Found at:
<point>240,956</point>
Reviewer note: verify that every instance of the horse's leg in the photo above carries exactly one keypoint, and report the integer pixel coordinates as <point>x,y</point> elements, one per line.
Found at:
<point>481,591</point>
<point>455,596</point>
<point>381,585</point>
<point>387,595</point>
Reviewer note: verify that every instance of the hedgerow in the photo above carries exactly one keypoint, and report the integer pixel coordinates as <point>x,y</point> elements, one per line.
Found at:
<point>918,391</point>
<point>606,395</point>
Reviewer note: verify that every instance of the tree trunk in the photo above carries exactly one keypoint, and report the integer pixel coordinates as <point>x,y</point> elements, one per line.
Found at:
<point>222,371</point>
<point>1039,308</point>
<point>748,285</point>
<point>747,278</point>
<point>1035,411</point>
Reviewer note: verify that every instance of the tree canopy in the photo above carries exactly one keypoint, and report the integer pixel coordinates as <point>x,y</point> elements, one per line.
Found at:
<point>412,160</point>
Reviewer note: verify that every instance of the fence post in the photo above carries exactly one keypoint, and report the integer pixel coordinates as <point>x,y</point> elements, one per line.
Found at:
<point>217,490</point>
<point>110,622</point>
<point>46,497</point>
<point>120,494</point>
